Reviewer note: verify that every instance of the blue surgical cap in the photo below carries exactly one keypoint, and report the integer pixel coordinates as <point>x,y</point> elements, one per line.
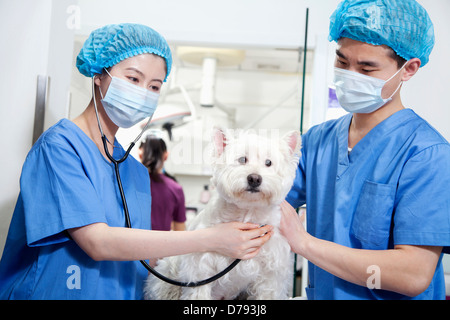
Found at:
<point>113,43</point>
<point>403,25</point>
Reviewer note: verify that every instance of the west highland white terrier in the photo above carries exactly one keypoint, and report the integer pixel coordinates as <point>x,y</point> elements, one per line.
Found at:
<point>252,175</point>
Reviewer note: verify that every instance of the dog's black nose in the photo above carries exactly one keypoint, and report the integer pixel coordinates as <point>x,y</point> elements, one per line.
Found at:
<point>254,180</point>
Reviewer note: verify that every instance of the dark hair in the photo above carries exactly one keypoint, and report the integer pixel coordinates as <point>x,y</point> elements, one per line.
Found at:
<point>393,55</point>
<point>153,152</point>
<point>400,61</point>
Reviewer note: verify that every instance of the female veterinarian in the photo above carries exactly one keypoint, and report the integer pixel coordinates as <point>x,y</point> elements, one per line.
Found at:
<point>375,181</point>
<point>67,238</point>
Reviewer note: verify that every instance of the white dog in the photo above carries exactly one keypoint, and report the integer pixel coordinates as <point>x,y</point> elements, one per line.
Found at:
<point>252,176</point>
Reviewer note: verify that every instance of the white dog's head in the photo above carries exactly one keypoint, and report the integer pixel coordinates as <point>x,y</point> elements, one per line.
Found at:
<point>252,170</point>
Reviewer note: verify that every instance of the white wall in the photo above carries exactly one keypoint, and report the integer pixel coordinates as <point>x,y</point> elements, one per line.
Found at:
<point>427,92</point>
<point>35,41</point>
<point>24,56</point>
<point>275,24</point>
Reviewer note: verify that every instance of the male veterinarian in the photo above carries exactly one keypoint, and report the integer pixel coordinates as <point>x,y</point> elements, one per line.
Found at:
<point>375,181</point>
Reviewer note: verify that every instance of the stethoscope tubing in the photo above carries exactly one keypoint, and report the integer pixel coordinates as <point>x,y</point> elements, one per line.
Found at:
<point>127,214</point>
<point>128,225</point>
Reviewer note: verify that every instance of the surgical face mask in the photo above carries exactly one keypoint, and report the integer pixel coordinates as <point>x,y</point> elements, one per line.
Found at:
<point>358,93</point>
<point>127,104</point>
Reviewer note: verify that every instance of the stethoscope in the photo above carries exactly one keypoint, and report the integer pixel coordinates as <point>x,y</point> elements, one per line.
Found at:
<point>127,214</point>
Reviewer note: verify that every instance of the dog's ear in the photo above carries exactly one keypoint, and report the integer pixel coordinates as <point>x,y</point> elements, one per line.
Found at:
<point>294,141</point>
<point>219,141</point>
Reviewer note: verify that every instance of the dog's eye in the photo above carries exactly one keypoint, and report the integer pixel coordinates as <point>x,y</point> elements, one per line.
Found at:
<point>268,163</point>
<point>242,160</point>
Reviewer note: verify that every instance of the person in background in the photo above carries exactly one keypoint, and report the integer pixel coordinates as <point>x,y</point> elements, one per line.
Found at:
<point>168,211</point>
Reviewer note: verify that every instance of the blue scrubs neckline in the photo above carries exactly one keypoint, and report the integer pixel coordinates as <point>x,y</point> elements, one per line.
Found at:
<point>384,127</point>
<point>117,146</point>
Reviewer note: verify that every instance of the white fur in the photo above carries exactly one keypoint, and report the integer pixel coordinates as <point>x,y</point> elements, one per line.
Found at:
<point>269,274</point>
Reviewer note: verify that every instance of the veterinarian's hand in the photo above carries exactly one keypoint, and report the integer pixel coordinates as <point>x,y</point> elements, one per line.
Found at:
<point>240,240</point>
<point>291,226</point>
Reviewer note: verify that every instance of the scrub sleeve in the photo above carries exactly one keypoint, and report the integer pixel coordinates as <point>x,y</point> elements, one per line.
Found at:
<point>391,189</point>
<point>58,195</point>
<point>422,215</point>
<point>67,183</point>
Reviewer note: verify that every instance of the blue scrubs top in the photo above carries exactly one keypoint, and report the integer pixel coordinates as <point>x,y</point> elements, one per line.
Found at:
<point>391,189</point>
<point>67,183</point>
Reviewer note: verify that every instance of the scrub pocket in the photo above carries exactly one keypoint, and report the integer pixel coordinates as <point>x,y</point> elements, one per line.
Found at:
<point>372,220</point>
